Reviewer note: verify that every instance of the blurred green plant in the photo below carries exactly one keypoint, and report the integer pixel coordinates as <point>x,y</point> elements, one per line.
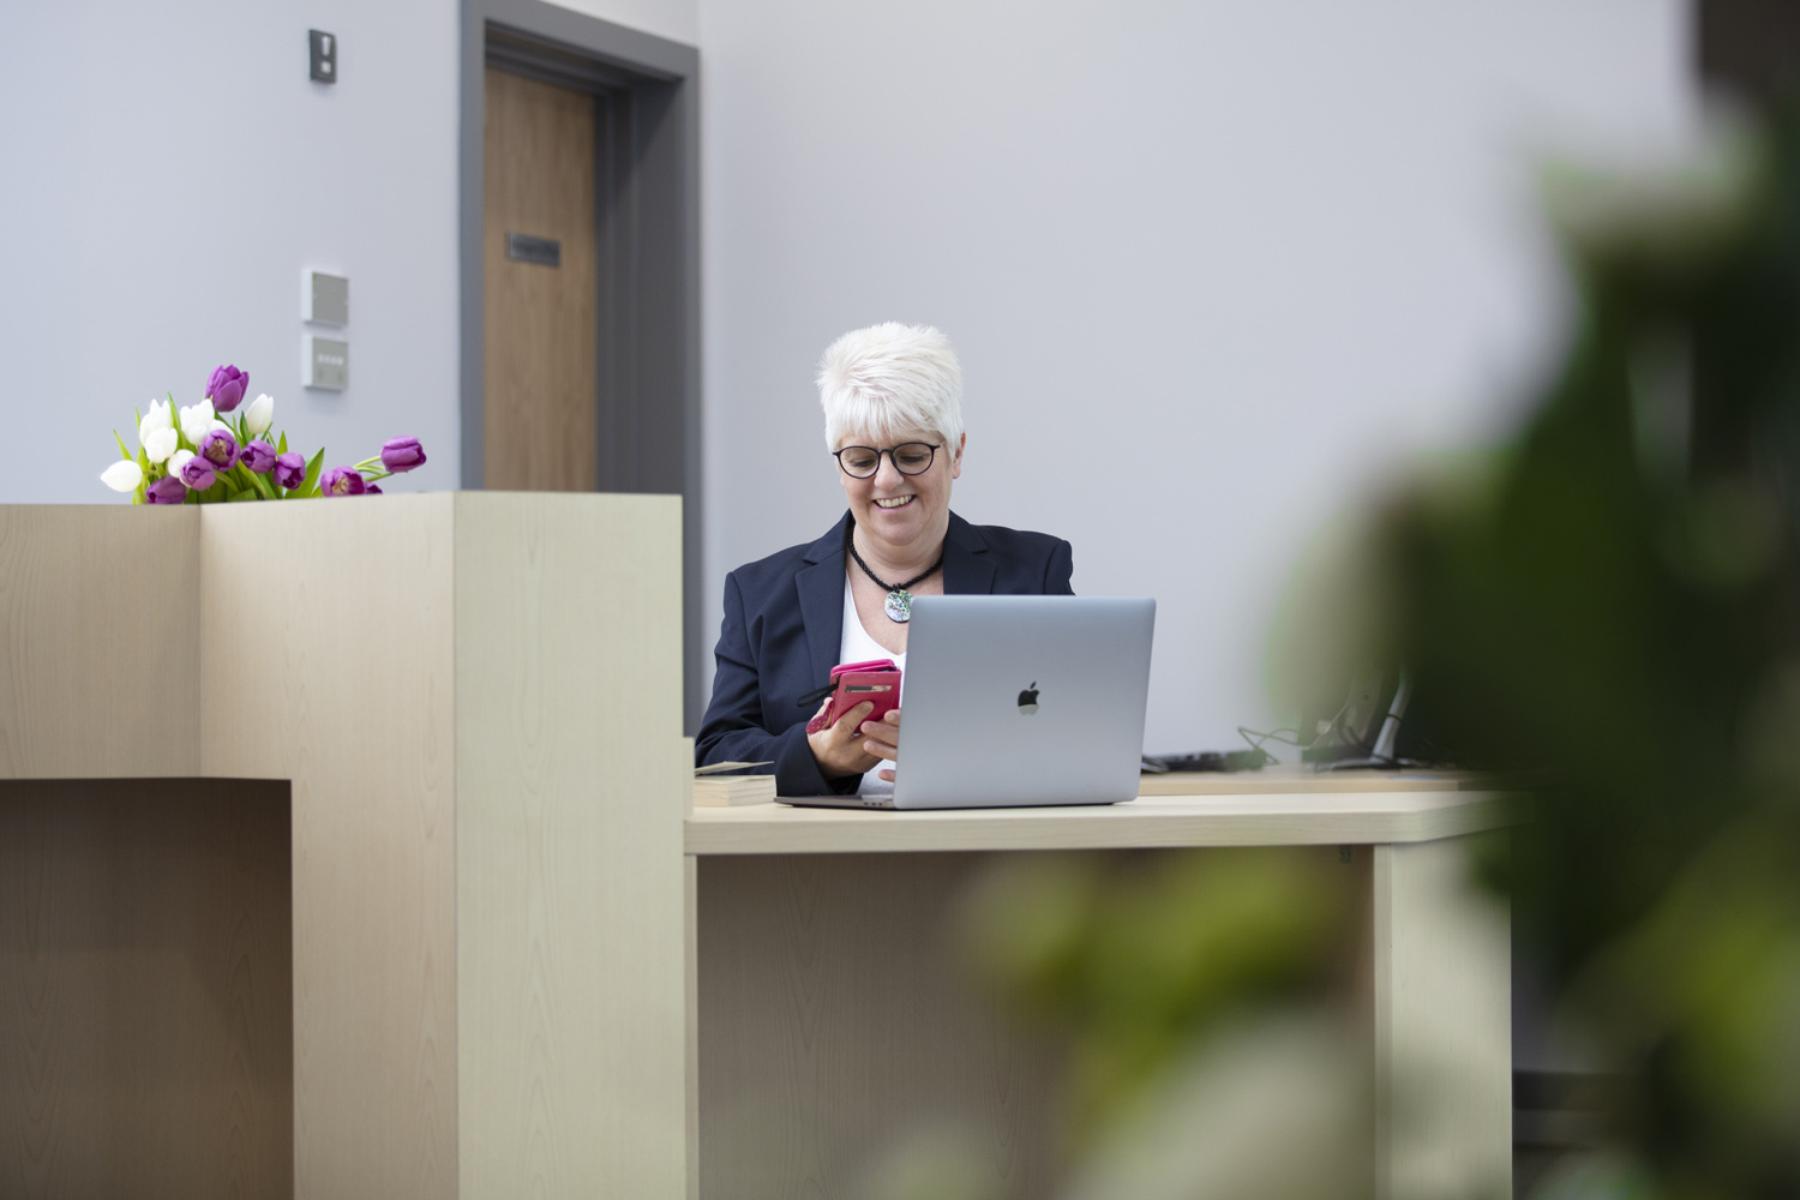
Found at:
<point>1143,952</point>
<point>1609,602</point>
<point>1619,608</point>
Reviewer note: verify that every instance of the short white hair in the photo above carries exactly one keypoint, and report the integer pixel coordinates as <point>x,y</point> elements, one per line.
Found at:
<point>889,379</point>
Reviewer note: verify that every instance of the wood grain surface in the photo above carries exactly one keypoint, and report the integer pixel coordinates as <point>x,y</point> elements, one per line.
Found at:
<point>99,640</point>
<point>1441,973</point>
<point>540,400</point>
<point>506,976</point>
<point>837,1024</point>
<point>334,670</point>
<point>571,784</point>
<point>146,1034</point>
<point>1278,819</point>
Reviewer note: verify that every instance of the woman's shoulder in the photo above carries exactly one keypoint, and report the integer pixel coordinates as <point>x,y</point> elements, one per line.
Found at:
<point>1021,561</point>
<point>1025,543</point>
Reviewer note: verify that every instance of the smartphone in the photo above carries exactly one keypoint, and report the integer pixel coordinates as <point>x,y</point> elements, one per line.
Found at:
<point>877,681</point>
<point>880,688</point>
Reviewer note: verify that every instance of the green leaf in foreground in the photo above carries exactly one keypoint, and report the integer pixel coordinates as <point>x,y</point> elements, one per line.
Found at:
<point>316,465</point>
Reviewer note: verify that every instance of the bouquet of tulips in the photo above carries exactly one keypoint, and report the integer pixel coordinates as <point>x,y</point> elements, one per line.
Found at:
<point>220,449</point>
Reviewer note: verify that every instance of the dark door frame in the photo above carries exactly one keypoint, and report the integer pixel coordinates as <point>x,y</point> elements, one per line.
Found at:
<point>647,217</point>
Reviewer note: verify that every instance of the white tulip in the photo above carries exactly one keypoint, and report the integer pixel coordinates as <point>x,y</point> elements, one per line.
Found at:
<point>123,476</point>
<point>179,460</point>
<point>159,417</point>
<point>159,445</point>
<point>259,414</point>
<point>196,419</point>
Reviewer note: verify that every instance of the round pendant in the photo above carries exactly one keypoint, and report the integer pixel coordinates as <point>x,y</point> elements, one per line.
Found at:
<point>899,605</point>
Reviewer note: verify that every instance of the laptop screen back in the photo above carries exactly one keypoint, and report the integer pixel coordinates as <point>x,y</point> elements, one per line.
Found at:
<point>1024,700</point>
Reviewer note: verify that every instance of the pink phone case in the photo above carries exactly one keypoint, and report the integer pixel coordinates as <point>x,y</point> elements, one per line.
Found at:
<point>877,681</point>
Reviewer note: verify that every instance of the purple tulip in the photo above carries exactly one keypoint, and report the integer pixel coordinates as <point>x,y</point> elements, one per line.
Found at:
<point>342,481</point>
<point>226,388</point>
<point>197,473</point>
<point>402,454</point>
<point>167,490</point>
<point>220,449</point>
<point>374,489</point>
<point>290,470</point>
<point>259,456</point>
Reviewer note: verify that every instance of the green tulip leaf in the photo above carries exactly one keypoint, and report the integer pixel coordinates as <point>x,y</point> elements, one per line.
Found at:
<point>314,467</point>
<point>281,446</point>
<point>236,496</point>
<point>123,452</point>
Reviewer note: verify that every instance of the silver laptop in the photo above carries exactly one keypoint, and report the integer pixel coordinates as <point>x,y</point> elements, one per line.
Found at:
<point>1016,700</point>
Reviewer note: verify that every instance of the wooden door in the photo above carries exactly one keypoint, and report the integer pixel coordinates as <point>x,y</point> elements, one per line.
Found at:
<point>540,425</point>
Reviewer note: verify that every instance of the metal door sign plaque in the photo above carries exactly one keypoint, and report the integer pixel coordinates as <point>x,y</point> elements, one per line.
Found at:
<point>523,247</point>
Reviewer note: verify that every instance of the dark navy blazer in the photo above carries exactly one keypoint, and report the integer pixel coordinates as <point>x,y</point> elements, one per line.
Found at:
<point>784,624</point>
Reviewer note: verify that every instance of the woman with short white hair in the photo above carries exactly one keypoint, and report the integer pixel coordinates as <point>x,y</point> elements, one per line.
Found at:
<point>892,396</point>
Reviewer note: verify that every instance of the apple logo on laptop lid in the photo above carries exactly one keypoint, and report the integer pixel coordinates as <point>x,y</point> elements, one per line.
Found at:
<point>1028,699</point>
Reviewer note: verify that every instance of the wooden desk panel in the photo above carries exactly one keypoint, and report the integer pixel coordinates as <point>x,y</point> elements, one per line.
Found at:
<point>146,990</point>
<point>834,1021</point>
<point>99,635</point>
<point>475,700</point>
<point>1282,819</point>
<point>837,1025</point>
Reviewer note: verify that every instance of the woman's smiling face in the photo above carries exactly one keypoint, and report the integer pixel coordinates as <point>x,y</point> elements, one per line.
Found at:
<point>897,510</point>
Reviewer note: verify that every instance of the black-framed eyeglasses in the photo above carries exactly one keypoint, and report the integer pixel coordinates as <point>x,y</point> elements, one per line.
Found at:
<point>909,458</point>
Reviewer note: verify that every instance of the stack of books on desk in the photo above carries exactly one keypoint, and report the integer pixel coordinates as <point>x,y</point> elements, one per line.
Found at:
<point>714,788</point>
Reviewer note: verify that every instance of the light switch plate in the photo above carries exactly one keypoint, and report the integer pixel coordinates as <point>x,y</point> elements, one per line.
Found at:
<point>324,298</point>
<point>324,363</point>
<point>321,49</point>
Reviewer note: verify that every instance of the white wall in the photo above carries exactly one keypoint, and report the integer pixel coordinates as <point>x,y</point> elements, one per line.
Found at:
<point>1211,266</point>
<point>169,170</point>
<point>677,20</point>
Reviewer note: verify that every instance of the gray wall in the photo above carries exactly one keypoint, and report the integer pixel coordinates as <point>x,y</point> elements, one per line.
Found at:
<point>169,171</point>
<point>176,172</point>
<point>677,20</point>
<point>1212,267</point>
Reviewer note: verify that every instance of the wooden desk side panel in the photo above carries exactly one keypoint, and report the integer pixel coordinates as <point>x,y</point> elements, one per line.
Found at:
<point>571,790</point>
<point>99,641</point>
<point>146,1032</point>
<point>839,1028</point>
<point>1442,962</point>
<point>326,644</point>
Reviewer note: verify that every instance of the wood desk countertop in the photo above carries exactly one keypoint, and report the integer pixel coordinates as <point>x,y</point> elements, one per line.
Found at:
<point>1216,811</point>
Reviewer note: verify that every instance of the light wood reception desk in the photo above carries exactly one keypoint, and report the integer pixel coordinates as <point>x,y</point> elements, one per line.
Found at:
<point>344,852</point>
<point>456,720</point>
<point>835,1018</point>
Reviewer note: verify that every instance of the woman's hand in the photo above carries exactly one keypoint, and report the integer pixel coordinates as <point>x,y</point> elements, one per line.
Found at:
<point>882,739</point>
<point>839,747</point>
